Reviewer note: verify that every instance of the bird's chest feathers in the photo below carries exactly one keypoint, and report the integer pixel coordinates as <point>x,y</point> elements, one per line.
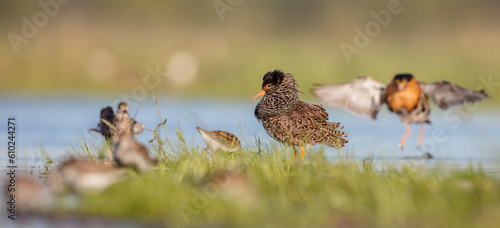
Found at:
<point>405,99</point>
<point>277,104</point>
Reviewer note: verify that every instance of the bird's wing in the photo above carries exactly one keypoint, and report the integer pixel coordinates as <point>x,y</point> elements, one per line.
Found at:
<point>107,114</point>
<point>362,96</point>
<point>446,94</point>
<point>314,112</point>
<point>227,139</point>
<point>310,121</point>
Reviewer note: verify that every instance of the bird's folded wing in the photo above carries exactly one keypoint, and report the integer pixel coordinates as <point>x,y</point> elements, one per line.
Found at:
<point>446,94</point>
<point>314,112</point>
<point>362,96</point>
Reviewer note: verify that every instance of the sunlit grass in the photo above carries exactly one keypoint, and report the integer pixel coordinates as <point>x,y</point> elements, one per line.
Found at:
<point>316,192</point>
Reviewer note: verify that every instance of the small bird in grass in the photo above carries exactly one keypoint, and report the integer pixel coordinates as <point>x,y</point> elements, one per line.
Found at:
<point>84,175</point>
<point>127,151</point>
<point>233,185</point>
<point>31,196</point>
<point>404,96</point>
<point>220,140</point>
<point>107,127</point>
<point>291,121</point>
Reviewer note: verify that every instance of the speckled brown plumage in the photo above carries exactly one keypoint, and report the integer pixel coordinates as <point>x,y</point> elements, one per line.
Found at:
<point>220,140</point>
<point>291,121</point>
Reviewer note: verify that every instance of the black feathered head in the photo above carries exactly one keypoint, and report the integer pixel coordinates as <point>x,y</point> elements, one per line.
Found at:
<point>272,79</point>
<point>401,80</point>
<point>403,77</point>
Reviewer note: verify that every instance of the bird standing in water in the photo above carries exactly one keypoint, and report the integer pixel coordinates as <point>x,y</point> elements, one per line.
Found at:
<point>404,96</point>
<point>291,121</point>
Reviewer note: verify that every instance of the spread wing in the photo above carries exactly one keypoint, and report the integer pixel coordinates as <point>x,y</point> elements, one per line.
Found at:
<point>362,96</point>
<point>446,94</point>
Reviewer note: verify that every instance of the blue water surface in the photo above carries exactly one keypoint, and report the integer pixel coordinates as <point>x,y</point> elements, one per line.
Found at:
<point>57,123</point>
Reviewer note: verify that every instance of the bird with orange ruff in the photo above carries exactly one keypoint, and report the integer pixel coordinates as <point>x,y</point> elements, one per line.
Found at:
<point>291,121</point>
<point>404,96</point>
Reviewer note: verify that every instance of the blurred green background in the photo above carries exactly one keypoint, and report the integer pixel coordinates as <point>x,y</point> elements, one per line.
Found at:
<point>93,47</point>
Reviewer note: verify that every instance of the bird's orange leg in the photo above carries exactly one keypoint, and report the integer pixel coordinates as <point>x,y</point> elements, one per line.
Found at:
<point>110,155</point>
<point>294,153</point>
<point>408,133</point>
<point>420,135</point>
<point>303,153</point>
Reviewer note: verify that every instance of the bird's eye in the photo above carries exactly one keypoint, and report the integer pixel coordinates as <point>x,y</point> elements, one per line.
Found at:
<point>269,86</point>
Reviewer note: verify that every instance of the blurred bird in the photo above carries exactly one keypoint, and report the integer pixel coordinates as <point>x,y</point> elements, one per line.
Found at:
<point>120,125</point>
<point>404,96</point>
<point>220,140</point>
<point>84,176</point>
<point>30,194</point>
<point>291,121</point>
<point>127,151</point>
<point>107,127</point>
<point>233,185</point>
<point>107,115</point>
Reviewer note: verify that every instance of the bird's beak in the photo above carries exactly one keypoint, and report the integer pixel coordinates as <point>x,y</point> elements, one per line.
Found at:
<point>261,93</point>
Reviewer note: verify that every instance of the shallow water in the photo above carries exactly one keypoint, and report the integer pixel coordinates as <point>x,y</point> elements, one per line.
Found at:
<point>456,137</point>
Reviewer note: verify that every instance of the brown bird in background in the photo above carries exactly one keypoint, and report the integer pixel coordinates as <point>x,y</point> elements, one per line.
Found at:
<point>31,196</point>
<point>404,96</point>
<point>127,151</point>
<point>291,121</point>
<point>120,125</point>
<point>84,176</point>
<point>108,128</point>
